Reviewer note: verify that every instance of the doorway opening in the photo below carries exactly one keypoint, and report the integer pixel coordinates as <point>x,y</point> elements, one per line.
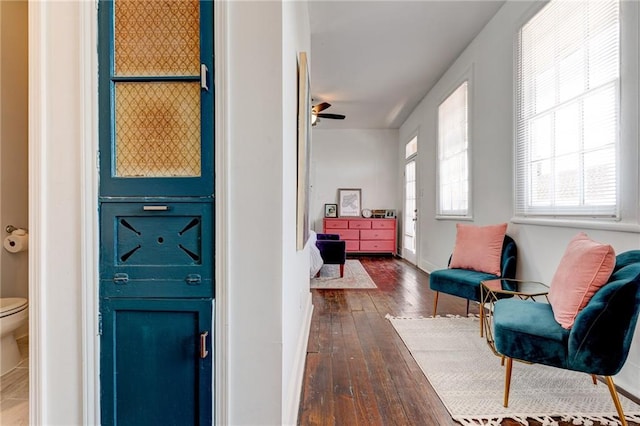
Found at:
<point>410,217</point>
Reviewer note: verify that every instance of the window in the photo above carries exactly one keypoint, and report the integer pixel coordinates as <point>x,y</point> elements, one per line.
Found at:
<point>156,98</point>
<point>453,154</point>
<point>411,148</point>
<point>567,122</point>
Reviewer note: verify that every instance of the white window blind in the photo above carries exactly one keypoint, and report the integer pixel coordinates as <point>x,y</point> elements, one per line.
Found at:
<point>453,162</point>
<point>567,124</point>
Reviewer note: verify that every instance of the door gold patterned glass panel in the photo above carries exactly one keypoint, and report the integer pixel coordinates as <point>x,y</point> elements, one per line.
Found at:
<point>157,37</point>
<point>157,129</point>
<point>157,89</point>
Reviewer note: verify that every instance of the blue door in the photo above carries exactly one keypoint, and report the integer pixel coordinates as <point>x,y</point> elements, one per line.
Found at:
<point>156,206</point>
<point>157,371</point>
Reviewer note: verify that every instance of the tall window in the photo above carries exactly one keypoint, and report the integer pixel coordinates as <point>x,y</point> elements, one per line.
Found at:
<point>568,105</point>
<point>453,154</point>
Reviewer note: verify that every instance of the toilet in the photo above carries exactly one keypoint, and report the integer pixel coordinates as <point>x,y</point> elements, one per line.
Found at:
<point>13,313</point>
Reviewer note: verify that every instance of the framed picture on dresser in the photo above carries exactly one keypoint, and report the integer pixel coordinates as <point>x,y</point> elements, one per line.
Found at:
<point>330,210</point>
<point>349,202</point>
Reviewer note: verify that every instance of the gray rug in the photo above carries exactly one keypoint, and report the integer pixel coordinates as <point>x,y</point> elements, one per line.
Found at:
<point>469,379</point>
<point>355,277</point>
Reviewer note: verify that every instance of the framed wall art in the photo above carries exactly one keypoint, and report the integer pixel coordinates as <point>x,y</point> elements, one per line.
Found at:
<point>304,142</point>
<point>349,202</point>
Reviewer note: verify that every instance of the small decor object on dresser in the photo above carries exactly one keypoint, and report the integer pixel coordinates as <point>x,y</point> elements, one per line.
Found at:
<point>330,210</point>
<point>366,213</point>
<point>349,202</point>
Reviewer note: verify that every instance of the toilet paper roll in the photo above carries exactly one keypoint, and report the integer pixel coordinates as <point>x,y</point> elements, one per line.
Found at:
<point>16,242</point>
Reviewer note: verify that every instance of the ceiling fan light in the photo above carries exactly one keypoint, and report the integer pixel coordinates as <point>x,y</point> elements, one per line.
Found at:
<point>314,119</point>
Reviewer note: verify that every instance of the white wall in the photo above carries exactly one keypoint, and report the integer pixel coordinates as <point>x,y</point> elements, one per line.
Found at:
<point>354,158</point>
<point>489,61</point>
<point>268,280</point>
<point>296,295</point>
<point>59,114</point>
<point>14,279</point>
<point>256,205</point>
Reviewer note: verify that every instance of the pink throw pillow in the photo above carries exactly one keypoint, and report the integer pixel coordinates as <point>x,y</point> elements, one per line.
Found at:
<point>585,267</point>
<point>479,248</point>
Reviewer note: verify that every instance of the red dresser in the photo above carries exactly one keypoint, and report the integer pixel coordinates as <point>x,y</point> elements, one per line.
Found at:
<point>364,235</point>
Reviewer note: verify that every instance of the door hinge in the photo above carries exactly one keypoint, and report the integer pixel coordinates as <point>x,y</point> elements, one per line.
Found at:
<point>193,279</point>
<point>121,278</point>
<point>99,324</point>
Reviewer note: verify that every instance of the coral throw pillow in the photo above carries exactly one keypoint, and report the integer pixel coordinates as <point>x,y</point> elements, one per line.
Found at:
<point>479,248</point>
<point>585,267</point>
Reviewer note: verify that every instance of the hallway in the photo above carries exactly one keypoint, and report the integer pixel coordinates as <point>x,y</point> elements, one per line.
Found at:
<point>358,370</point>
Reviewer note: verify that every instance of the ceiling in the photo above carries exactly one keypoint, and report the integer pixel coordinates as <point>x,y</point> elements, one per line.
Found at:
<point>374,61</point>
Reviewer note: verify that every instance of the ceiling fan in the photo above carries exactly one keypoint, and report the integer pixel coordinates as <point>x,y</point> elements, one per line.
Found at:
<point>316,113</point>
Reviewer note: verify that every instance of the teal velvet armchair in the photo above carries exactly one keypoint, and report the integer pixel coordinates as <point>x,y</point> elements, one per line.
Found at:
<point>598,342</point>
<point>465,283</point>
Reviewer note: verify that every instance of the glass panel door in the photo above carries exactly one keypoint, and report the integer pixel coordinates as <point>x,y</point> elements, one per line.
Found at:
<point>410,212</point>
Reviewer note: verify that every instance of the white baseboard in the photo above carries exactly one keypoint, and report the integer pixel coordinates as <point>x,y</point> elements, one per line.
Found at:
<point>292,403</point>
<point>428,267</point>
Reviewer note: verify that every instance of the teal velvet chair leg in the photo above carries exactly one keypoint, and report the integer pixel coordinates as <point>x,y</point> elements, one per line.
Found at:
<point>616,399</point>
<point>435,303</point>
<point>507,380</point>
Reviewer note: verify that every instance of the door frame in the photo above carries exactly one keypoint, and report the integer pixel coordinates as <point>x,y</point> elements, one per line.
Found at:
<point>84,117</point>
<point>405,161</point>
<point>221,224</point>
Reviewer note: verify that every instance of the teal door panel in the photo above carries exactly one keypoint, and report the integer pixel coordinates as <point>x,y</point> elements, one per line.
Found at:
<point>190,287</point>
<point>136,120</point>
<point>156,198</point>
<point>156,249</point>
<point>155,371</point>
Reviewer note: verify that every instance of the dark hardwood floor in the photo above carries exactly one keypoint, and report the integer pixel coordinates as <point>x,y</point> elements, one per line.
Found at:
<point>358,371</point>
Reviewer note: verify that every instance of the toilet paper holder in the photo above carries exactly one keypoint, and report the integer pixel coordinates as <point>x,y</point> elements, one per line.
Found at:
<point>11,228</point>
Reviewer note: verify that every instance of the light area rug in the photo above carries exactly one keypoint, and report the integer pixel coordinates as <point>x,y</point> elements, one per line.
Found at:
<point>355,277</point>
<point>469,379</point>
